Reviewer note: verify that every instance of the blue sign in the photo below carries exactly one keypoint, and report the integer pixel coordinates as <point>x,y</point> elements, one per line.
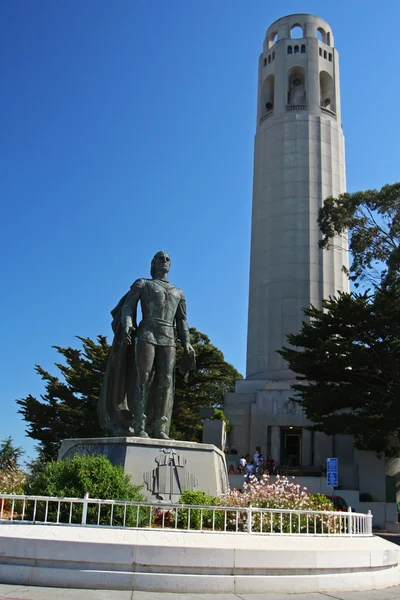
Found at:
<point>333,479</point>
<point>332,464</point>
<point>332,472</point>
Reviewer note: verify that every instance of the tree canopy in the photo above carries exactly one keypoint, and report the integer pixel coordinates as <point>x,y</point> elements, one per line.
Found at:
<point>346,356</point>
<point>370,221</point>
<point>68,408</point>
<point>12,476</point>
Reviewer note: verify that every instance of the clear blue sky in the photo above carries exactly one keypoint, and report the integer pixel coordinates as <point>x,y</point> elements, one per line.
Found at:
<point>127,127</point>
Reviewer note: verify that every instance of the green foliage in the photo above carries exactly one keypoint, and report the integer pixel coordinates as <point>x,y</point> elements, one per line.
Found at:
<point>196,518</point>
<point>219,415</point>
<point>320,502</point>
<point>367,497</point>
<point>206,386</point>
<point>199,498</point>
<point>371,220</point>
<point>347,355</point>
<point>68,409</point>
<point>12,477</point>
<point>9,455</point>
<point>73,477</point>
<point>347,361</point>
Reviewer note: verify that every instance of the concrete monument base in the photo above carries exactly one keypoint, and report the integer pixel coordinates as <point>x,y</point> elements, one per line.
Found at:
<point>192,562</point>
<point>165,468</point>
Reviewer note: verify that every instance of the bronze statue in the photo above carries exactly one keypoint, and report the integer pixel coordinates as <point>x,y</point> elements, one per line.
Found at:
<point>138,388</point>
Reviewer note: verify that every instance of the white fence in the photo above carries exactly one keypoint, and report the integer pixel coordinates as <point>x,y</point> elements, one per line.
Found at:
<point>224,519</point>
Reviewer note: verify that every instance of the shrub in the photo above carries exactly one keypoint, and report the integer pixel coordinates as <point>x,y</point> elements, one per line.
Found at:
<point>279,494</point>
<point>11,475</point>
<point>199,519</point>
<point>219,415</point>
<point>73,477</point>
<point>12,481</point>
<point>367,497</point>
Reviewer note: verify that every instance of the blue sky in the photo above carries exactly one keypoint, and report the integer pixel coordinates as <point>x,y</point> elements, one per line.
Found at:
<point>127,127</point>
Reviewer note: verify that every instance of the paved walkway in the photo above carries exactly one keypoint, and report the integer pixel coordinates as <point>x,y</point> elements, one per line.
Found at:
<point>18,592</point>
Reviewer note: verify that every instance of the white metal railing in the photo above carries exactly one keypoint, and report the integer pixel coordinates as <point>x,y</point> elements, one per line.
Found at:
<point>296,107</point>
<point>233,519</point>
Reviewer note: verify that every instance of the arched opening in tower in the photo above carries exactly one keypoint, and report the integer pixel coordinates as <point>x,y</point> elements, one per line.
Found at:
<point>272,39</point>
<point>267,95</point>
<point>297,86</point>
<point>296,32</point>
<point>327,91</point>
<point>321,35</point>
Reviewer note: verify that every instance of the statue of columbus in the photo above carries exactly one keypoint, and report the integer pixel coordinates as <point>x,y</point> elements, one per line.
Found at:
<point>138,388</point>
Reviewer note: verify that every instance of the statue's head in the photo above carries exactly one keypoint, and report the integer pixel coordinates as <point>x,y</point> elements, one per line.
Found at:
<point>160,264</point>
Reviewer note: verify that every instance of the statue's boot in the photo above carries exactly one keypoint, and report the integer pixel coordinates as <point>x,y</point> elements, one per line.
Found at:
<point>139,417</point>
<point>160,426</point>
<point>139,426</point>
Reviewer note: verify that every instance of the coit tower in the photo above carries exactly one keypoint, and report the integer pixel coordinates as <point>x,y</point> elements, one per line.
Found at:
<point>298,162</point>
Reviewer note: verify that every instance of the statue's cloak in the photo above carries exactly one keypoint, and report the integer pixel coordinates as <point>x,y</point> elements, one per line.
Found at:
<point>115,405</point>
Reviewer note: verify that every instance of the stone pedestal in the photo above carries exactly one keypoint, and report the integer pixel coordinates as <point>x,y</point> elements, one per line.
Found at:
<point>165,468</point>
<point>214,432</point>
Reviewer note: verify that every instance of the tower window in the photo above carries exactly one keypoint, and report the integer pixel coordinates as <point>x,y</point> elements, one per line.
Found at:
<point>320,51</point>
<point>321,34</point>
<point>273,55</point>
<point>327,91</point>
<point>267,93</point>
<point>296,86</point>
<point>289,50</point>
<point>328,38</point>
<point>325,54</point>
<point>296,49</point>
<point>265,62</point>
<point>273,38</point>
<point>303,48</point>
<point>296,32</point>
<point>330,57</point>
<point>269,59</point>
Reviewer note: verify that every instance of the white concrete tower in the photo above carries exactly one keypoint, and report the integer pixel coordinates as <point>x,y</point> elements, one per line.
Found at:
<point>298,162</point>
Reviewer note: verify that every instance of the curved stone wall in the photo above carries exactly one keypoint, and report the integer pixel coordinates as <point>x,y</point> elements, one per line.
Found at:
<point>190,562</point>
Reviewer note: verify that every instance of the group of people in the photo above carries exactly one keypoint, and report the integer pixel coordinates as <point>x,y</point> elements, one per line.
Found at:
<point>256,466</point>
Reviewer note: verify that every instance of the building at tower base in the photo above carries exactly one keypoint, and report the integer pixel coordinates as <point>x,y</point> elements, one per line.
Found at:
<point>298,162</point>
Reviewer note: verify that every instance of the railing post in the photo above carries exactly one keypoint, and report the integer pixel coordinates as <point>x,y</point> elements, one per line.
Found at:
<point>369,522</point>
<point>84,508</point>
<point>349,522</point>
<point>249,519</point>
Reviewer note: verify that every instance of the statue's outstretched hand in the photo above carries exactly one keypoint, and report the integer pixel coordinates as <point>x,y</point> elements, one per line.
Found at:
<point>129,330</point>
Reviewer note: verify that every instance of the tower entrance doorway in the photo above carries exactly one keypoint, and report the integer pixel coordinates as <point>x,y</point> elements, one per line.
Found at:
<point>291,447</point>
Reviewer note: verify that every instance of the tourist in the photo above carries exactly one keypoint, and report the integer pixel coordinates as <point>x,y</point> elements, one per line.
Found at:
<point>271,466</point>
<point>242,465</point>
<point>260,464</point>
<point>256,455</point>
<point>249,471</point>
